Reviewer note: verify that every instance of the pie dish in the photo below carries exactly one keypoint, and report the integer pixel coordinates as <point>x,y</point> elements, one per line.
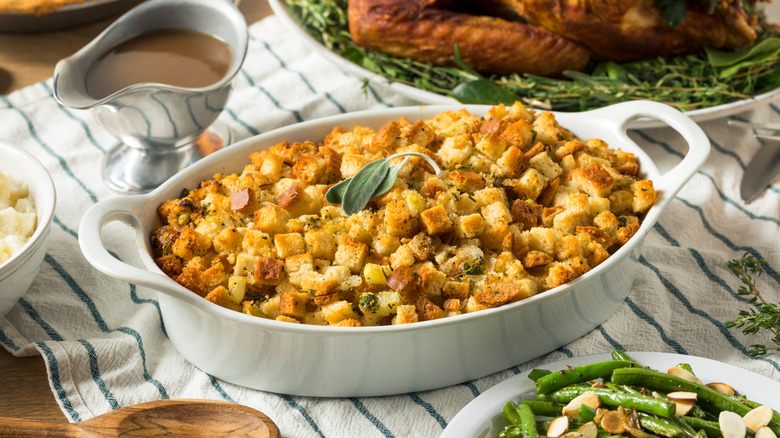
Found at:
<point>370,361</point>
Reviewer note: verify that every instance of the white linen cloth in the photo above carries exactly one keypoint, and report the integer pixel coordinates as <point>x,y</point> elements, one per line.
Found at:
<point>103,340</point>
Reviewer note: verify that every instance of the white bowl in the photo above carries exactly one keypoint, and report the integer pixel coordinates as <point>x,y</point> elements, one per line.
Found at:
<point>18,272</point>
<point>369,361</point>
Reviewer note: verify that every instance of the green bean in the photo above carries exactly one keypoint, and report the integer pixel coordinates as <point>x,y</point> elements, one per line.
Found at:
<point>527,421</point>
<point>686,367</point>
<point>621,355</point>
<point>579,374</point>
<point>510,412</point>
<point>511,431</point>
<point>711,428</point>
<point>661,426</point>
<point>544,408</point>
<point>587,413</point>
<point>712,400</point>
<point>535,374</point>
<point>664,408</point>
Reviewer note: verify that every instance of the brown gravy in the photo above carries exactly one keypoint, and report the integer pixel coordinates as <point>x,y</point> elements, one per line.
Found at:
<point>183,58</point>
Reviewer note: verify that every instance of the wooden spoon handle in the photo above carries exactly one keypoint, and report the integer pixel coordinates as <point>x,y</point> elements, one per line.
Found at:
<point>15,427</point>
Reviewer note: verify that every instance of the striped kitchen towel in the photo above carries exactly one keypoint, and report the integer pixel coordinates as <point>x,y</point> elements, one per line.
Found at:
<point>105,346</point>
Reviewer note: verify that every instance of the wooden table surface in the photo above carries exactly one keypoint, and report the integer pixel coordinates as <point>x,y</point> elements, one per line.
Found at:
<point>26,59</point>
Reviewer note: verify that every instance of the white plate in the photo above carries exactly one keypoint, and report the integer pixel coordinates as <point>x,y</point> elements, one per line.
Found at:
<point>65,17</point>
<point>483,417</point>
<point>700,115</point>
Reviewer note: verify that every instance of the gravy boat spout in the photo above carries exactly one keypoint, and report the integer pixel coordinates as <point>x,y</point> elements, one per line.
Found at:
<point>158,125</point>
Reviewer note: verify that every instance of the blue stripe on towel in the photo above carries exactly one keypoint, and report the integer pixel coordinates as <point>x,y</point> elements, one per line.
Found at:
<point>249,128</point>
<point>473,388</point>
<point>294,113</point>
<point>768,269</point>
<point>672,289</point>
<point>702,265</point>
<point>300,75</point>
<point>102,324</point>
<point>56,384</point>
<point>84,126</point>
<point>94,370</point>
<point>293,404</point>
<point>429,409</point>
<point>5,340</point>
<point>370,417</point>
<point>220,390</point>
<point>615,344</point>
<point>35,316</point>
<point>648,319</point>
<point>49,150</point>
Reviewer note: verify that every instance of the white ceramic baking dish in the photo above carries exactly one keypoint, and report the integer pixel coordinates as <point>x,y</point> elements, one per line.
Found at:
<point>369,361</point>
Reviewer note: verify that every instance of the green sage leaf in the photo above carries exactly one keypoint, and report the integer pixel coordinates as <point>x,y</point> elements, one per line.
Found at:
<point>483,91</point>
<point>335,194</point>
<point>734,61</point>
<point>363,184</point>
<point>392,175</point>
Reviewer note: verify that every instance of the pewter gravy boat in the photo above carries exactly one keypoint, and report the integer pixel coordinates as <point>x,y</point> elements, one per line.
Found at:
<point>157,124</point>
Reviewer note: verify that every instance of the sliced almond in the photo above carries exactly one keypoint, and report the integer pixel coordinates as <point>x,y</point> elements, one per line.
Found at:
<point>682,407</point>
<point>588,399</point>
<point>721,388</point>
<point>682,396</point>
<point>598,385</point>
<point>758,417</point>
<point>765,432</point>
<point>589,430</point>
<point>683,374</point>
<point>613,422</point>
<point>732,425</point>
<point>558,427</point>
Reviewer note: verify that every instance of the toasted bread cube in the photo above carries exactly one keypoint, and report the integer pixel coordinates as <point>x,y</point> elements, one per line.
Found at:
<point>593,180</point>
<point>512,163</point>
<point>320,244</point>
<point>268,271</point>
<point>271,219</point>
<point>422,246</point>
<point>519,134</point>
<point>606,221</point>
<point>351,253</point>
<point>530,184</point>
<point>298,265</point>
<point>644,195</point>
<point>470,226</point>
<point>490,195</point>
<point>257,242</point>
<point>403,256</point>
<point>385,139</point>
<point>466,180</point>
<point>455,150</point>
<point>435,220</point>
<point>289,244</point>
<point>420,133</point>
<point>397,219</point>
<point>456,288</point>
<point>268,165</point>
<point>351,164</point>
<point>491,145</point>
<point>228,240</point>
<point>405,314</point>
<point>546,128</point>
<point>221,297</point>
<point>544,164</point>
<point>309,168</point>
<point>293,304</point>
<point>431,279</point>
<point>338,311</point>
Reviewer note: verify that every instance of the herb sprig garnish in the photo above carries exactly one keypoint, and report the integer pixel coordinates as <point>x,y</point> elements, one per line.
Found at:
<point>763,315</point>
<point>374,179</point>
<point>685,82</point>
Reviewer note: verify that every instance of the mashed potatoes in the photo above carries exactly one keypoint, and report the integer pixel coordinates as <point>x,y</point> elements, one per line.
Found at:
<point>17,217</point>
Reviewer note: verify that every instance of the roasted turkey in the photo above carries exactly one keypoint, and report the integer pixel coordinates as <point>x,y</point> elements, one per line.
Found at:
<point>546,37</point>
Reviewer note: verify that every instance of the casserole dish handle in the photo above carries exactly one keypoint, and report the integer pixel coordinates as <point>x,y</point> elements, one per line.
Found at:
<point>127,210</point>
<point>698,144</point>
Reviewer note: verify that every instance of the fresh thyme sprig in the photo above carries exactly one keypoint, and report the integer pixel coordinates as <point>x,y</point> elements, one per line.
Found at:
<point>763,315</point>
<point>686,82</point>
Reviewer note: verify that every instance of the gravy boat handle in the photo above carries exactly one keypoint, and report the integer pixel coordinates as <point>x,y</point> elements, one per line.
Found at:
<point>126,209</point>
